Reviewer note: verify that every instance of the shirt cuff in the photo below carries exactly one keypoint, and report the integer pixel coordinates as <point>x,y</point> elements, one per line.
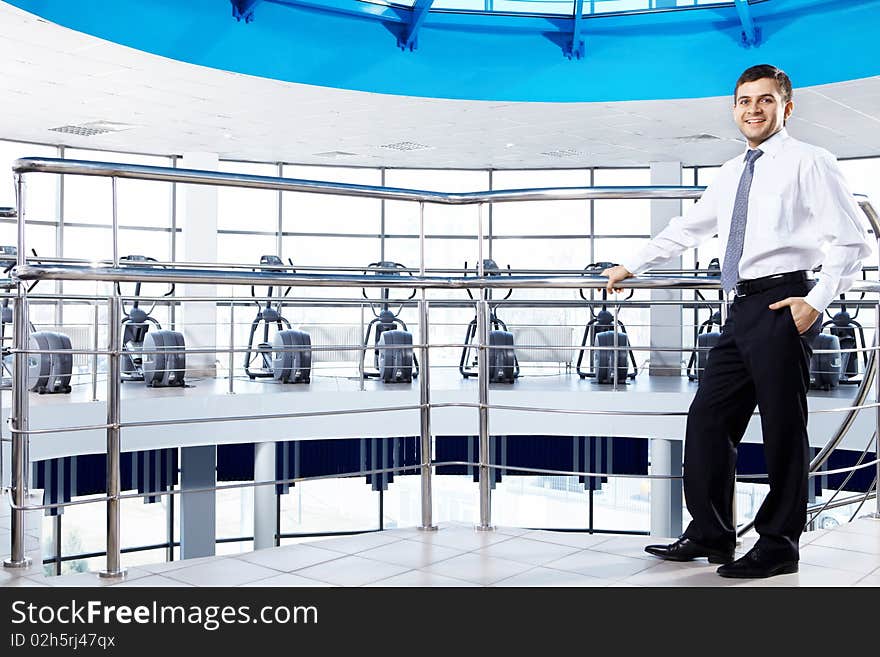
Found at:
<point>821,295</point>
<point>634,267</point>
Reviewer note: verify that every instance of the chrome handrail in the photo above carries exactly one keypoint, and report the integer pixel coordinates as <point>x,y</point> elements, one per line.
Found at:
<point>196,275</point>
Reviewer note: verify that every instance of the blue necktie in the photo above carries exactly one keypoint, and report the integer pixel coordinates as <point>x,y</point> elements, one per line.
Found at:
<point>733,253</point>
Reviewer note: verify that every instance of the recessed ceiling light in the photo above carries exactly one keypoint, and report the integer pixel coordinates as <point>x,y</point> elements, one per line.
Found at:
<point>406,146</point>
<point>335,154</point>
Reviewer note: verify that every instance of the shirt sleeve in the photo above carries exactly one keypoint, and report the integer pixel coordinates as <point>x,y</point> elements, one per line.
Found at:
<point>841,224</point>
<point>699,222</point>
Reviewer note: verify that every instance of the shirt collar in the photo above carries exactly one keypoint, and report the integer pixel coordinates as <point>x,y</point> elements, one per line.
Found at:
<point>773,145</point>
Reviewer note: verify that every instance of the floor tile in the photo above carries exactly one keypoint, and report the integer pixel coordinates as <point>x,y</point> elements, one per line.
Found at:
<point>22,581</point>
<point>809,537</point>
<point>574,539</point>
<point>850,541</point>
<point>289,557</point>
<point>871,580</point>
<point>91,578</point>
<point>528,551</point>
<point>221,572</point>
<point>548,577</point>
<point>422,578</point>
<point>808,575</point>
<point>630,546</point>
<point>857,562</point>
<point>351,571</point>
<point>287,579</point>
<point>357,543</point>
<point>601,564</point>
<point>151,580</point>
<point>412,554</point>
<point>688,574</point>
<point>169,566</point>
<point>460,538</point>
<point>511,531</point>
<point>478,568</point>
<point>867,526</point>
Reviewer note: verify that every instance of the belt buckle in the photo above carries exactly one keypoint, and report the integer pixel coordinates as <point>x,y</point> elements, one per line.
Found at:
<point>739,290</point>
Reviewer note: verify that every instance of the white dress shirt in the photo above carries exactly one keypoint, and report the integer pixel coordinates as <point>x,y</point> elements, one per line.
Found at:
<point>799,207</point>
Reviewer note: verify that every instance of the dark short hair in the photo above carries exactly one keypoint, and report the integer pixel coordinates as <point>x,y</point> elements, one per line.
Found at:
<point>762,71</point>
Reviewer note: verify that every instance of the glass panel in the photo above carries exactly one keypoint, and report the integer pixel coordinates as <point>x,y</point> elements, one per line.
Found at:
<point>402,218</point>
<point>322,213</point>
<point>541,217</point>
<point>624,216</point>
<point>248,209</point>
<point>41,189</point>
<point>329,505</point>
<point>140,203</point>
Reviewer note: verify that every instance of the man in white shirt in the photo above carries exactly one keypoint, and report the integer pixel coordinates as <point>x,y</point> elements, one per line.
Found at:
<point>775,210</point>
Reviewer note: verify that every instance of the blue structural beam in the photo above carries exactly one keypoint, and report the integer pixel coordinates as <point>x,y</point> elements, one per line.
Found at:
<point>244,9</point>
<point>409,38</point>
<point>575,49</point>
<point>751,35</point>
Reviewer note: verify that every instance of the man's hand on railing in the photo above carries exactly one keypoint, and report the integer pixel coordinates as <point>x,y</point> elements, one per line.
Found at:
<point>615,275</point>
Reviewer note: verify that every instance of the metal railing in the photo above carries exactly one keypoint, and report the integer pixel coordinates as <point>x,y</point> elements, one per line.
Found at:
<point>114,272</point>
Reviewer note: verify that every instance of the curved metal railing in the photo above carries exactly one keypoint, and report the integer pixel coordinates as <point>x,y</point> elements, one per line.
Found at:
<point>113,272</point>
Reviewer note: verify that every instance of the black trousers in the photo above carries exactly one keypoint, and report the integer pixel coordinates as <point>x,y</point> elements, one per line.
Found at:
<point>760,360</point>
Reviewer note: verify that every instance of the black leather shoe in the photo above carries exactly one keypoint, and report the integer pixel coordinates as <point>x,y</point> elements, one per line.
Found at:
<point>684,549</point>
<point>756,564</point>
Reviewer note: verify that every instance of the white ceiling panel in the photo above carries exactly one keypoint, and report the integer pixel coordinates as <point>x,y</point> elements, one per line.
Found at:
<point>53,76</point>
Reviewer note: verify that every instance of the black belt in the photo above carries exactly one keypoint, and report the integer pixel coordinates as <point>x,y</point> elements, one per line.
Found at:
<point>755,285</point>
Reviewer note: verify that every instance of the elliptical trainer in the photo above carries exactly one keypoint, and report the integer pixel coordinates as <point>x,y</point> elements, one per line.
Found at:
<point>288,358</point>
<point>503,364</point>
<point>396,363</point>
<point>850,335</point>
<point>705,336</point>
<point>600,332</point>
<point>155,357</point>
<point>47,373</point>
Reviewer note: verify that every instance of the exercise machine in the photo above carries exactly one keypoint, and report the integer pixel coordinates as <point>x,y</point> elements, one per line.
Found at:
<point>393,357</point>
<point>47,373</point>
<point>503,364</point>
<point>600,332</point>
<point>158,356</point>
<point>288,357</point>
<point>851,336</point>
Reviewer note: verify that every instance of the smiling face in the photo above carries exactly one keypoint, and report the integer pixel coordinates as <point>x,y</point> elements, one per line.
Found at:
<point>760,110</point>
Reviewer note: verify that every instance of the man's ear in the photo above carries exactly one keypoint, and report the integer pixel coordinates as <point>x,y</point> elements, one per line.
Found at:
<point>789,108</point>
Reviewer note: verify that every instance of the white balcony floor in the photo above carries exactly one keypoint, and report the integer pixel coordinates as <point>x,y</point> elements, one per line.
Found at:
<point>457,555</point>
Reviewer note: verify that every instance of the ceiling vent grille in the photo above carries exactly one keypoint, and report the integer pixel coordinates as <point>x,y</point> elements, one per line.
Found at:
<point>92,129</point>
<point>563,152</point>
<point>406,146</point>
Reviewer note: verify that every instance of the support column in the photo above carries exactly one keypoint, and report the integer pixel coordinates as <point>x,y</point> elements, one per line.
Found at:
<point>666,494</point>
<point>665,320</point>
<point>198,512</point>
<point>197,219</point>
<point>264,496</point>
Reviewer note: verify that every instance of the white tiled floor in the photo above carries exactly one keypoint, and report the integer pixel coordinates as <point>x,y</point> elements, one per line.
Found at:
<point>457,555</point>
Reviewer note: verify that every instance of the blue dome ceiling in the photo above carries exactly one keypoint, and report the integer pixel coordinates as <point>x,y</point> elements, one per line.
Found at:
<point>534,55</point>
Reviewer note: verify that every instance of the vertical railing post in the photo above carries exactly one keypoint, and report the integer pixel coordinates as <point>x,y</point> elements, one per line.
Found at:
<point>20,418</point>
<point>231,361</point>
<point>114,329</point>
<point>876,361</point>
<point>95,328</point>
<point>425,389</point>
<point>483,321</point>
